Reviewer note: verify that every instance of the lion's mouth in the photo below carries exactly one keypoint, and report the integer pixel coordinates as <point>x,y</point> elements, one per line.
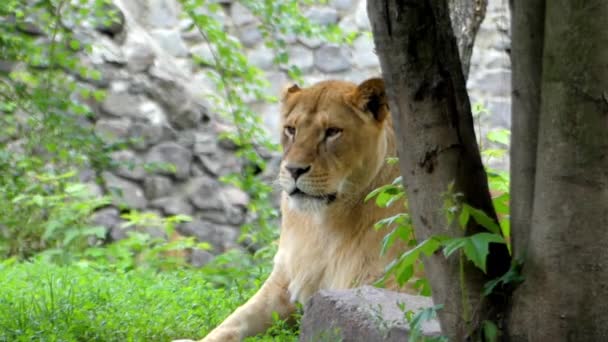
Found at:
<point>328,198</point>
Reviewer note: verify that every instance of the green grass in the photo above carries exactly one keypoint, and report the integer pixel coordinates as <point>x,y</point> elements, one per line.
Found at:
<point>46,302</point>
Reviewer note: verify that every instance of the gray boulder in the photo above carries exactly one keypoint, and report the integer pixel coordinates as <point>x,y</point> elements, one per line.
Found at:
<point>173,154</point>
<point>362,314</point>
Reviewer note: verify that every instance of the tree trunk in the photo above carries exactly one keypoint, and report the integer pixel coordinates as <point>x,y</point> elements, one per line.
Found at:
<point>527,27</point>
<point>466,17</point>
<point>437,146</point>
<point>566,270</point>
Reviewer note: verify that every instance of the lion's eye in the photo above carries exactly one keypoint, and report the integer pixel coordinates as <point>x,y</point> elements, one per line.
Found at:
<point>290,131</point>
<point>332,132</point>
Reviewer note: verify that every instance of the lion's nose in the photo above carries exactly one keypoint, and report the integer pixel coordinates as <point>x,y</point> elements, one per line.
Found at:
<point>297,170</point>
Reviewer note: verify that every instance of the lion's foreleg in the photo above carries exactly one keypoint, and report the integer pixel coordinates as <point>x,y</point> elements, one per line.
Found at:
<point>255,316</point>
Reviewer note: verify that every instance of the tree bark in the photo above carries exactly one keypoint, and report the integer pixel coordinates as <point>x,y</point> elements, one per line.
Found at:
<point>437,146</point>
<point>466,17</point>
<point>566,273</point>
<point>527,27</point>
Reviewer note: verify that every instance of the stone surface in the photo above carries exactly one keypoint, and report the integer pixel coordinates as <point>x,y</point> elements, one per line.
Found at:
<point>106,217</point>
<point>322,15</point>
<point>343,5</point>
<point>129,165</point>
<point>113,130</point>
<point>162,13</point>
<point>203,53</point>
<point>173,154</point>
<point>362,314</point>
<point>172,206</point>
<point>199,258</point>
<point>171,42</point>
<point>301,57</point>
<point>114,26</point>
<point>262,57</point>
<point>250,35</point>
<point>120,103</point>
<point>332,58</point>
<point>124,193</point>
<point>203,193</point>
<point>139,57</point>
<point>241,15</point>
<point>144,134</point>
<point>364,55</point>
<point>220,236</point>
<point>157,186</point>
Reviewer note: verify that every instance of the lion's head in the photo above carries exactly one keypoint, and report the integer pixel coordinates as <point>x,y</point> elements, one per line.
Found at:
<point>334,141</point>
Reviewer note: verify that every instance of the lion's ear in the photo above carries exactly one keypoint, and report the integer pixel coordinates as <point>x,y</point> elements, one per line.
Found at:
<point>288,90</point>
<point>370,97</point>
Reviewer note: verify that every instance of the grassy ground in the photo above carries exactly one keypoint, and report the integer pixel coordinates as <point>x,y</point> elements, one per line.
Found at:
<point>43,302</point>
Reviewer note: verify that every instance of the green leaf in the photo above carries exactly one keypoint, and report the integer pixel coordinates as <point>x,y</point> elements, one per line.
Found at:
<point>501,136</point>
<point>453,245</point>
<point>490,331</point>
<point>483,219</point>
<point>463,218</point>
<point>476,248</point>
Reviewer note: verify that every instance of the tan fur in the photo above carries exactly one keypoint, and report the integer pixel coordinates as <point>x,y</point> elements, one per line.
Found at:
<point>326,245</point>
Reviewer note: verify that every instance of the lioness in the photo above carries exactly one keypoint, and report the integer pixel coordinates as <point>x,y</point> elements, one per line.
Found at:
<point>336,139</point>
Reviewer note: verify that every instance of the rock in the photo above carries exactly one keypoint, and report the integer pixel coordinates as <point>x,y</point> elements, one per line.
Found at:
<point>113,22</point>
<point>124,193</point>
<point>184,111</point>
<point>106,217</point>
<point>361,17</point>
<point>121,103</point>
<point>322,15</point>
<point>204,143</point>
<point>348,24</point>
<point>6,66</point>
<point>332,58</point>
<point>362,314</point>
<point>241,15</point>
<point>219,164</point>
<point>493,82</point>
<point>129,165</point>
<point>277,81</point>
<point>162,13</point>
<point>364,54</point>
<point>113,130</point>
<point>300,57</point>
<point>171,42</point>
<point>203,193</point>
<point>250,35</point>
<point>157,186</point>
<point>310,42</point>
<point>202,52</point>
<point>500,113</point>
<point>174,154</point>
<point>235,197</point>
<point>220,236</point>
<point>105,50</point>
<point>199,257</point>
<point>172,206</point>
<point>144,134</point>
<point>153,113</point>
<point>139,57</point>
<point>343,5</point>
<point>189,115</point>
<point>262,57</point>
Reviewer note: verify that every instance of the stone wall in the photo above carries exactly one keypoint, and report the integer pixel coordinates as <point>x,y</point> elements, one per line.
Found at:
<point>157,93</point>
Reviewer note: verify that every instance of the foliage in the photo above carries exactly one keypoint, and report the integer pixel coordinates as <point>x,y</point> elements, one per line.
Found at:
<point>474,247</point>
<point>44,132</point>
<point>42,301</point>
